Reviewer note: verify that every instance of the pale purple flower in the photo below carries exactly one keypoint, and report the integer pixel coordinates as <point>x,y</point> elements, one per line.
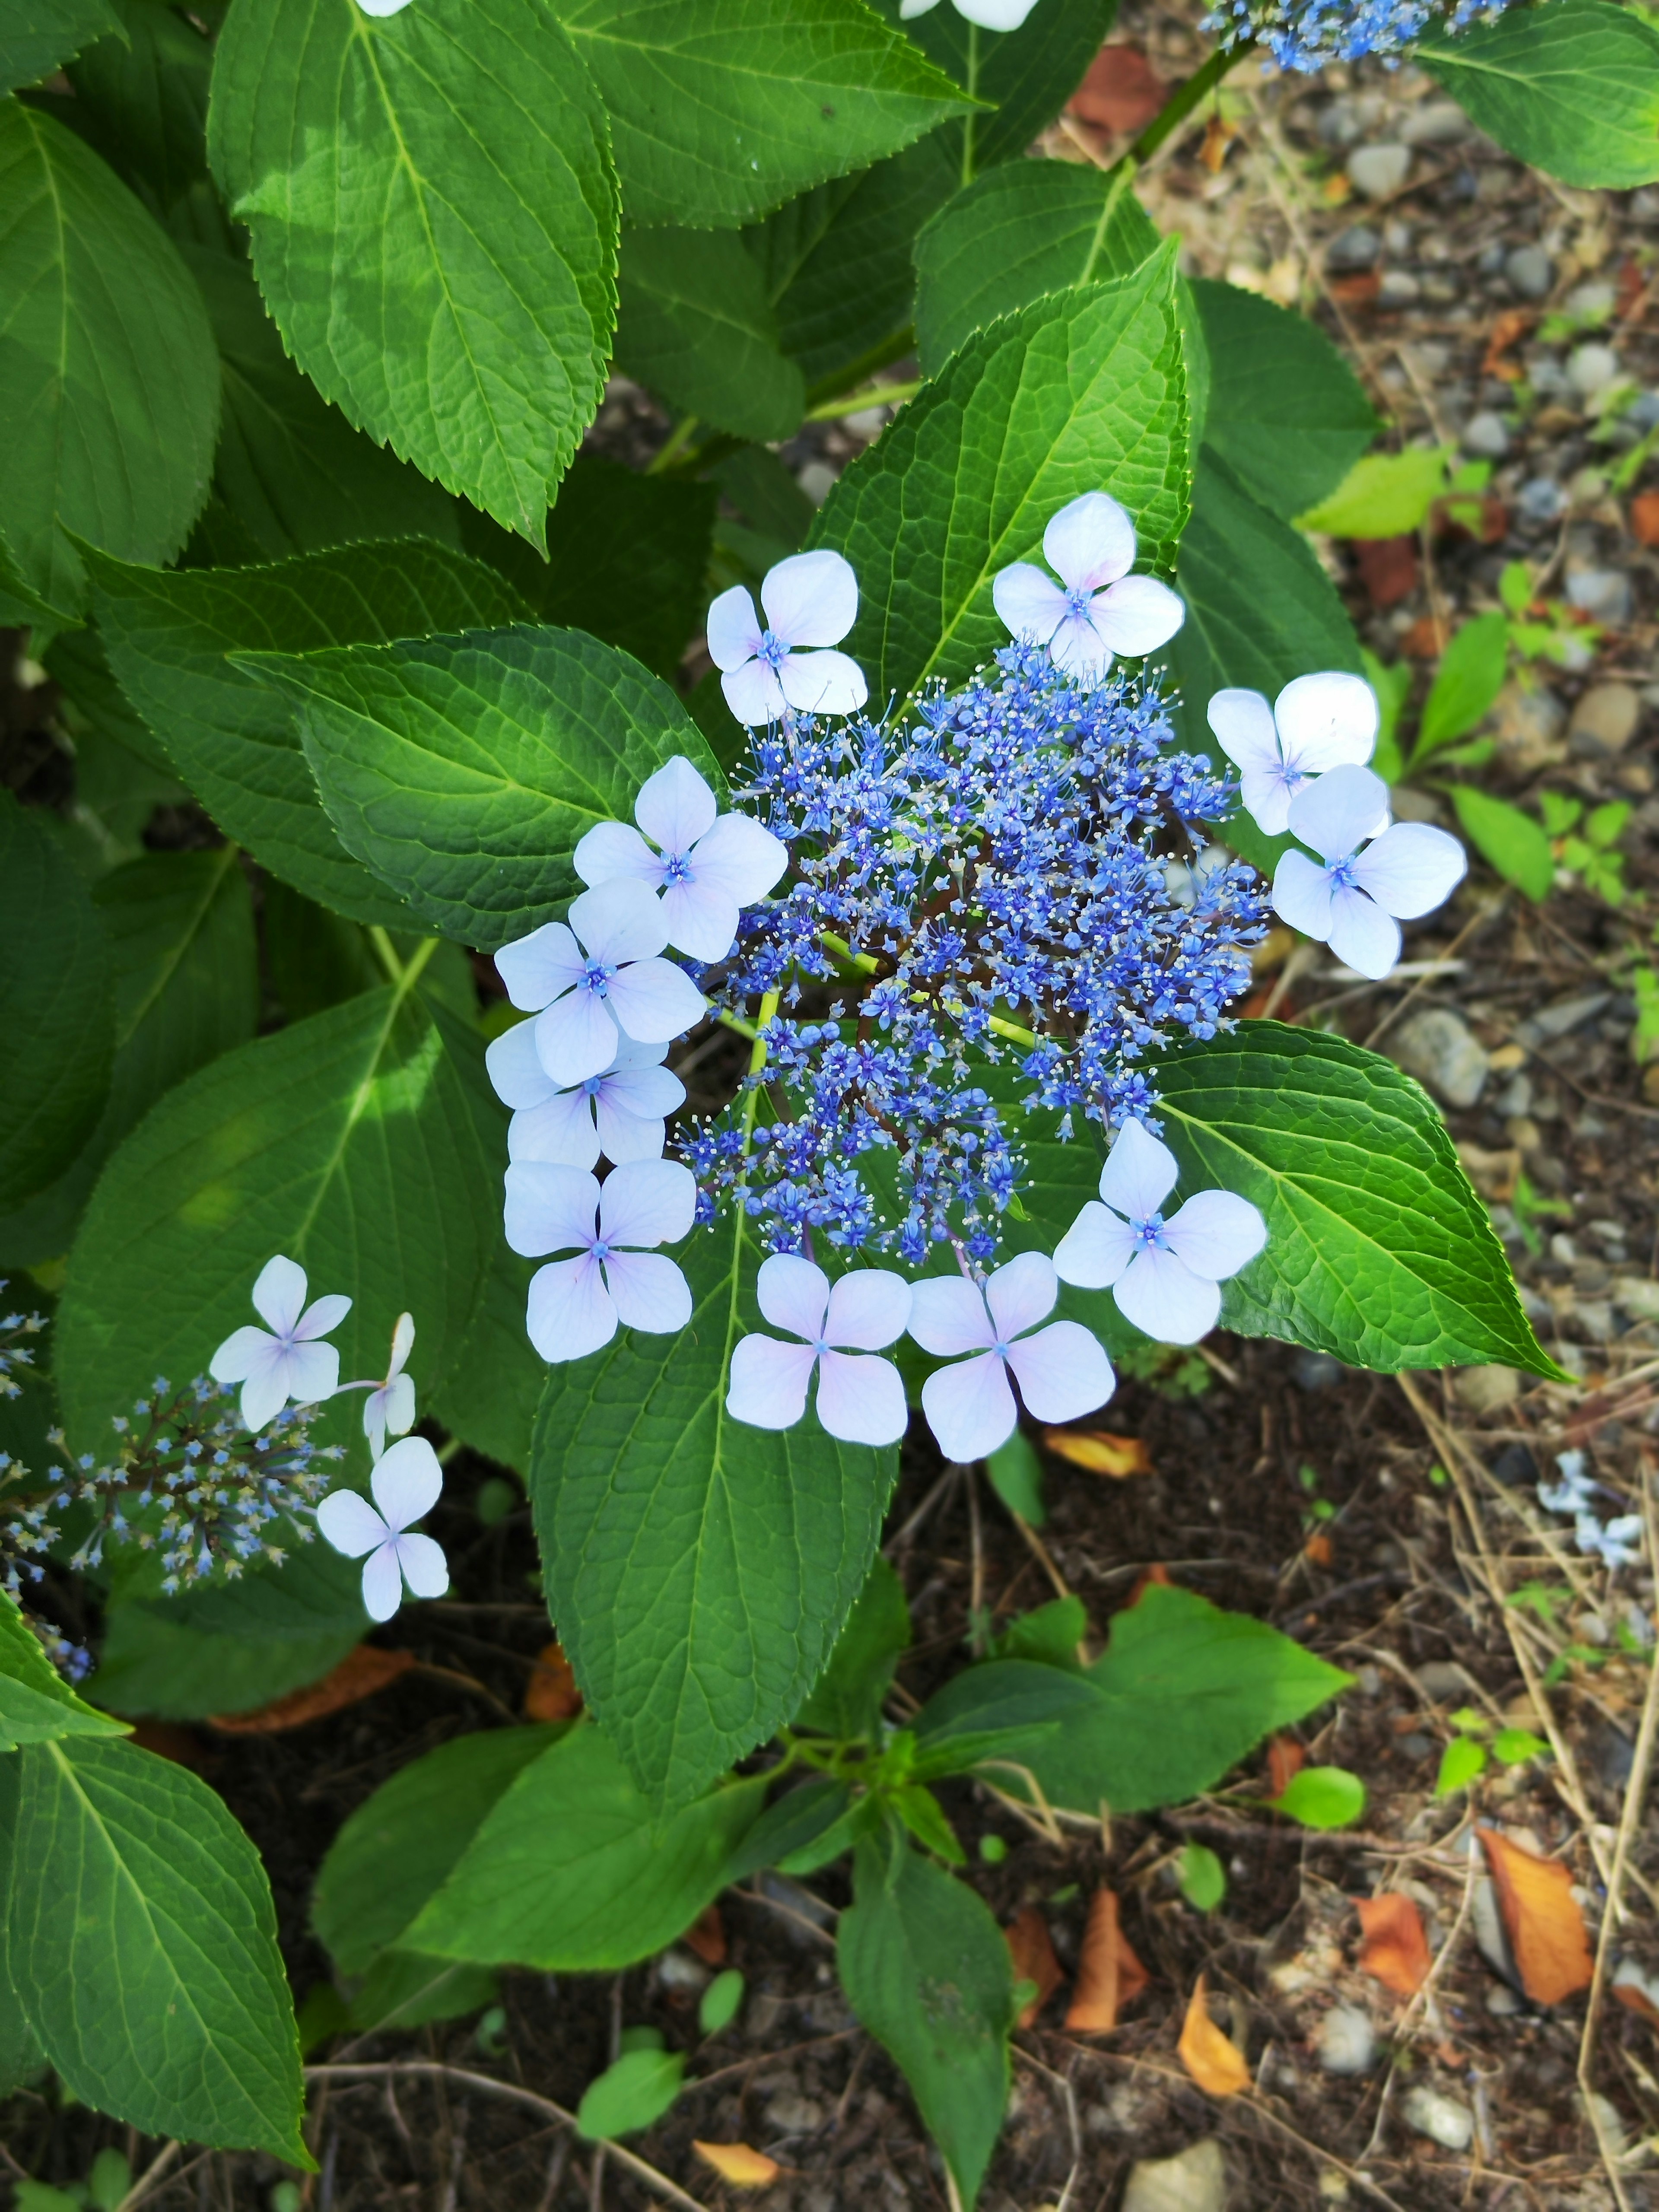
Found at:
<point>860,1399</point>
<point>620,1112</point>
<point>1356,900</point>
<point>1316,723</point>
<point>1575,1492</point>
<point>989,14</point>
<point>812,599</point>
<point>707,866</point>
<point>287,1361</point>
<point>1165,1275</point>
<point>1062,1369</point>
<point>389,1409</point>
<point>597,977</point>
<point>1097,609</point>
<point>1618,1542</point>
<point>576,1304</point>
<point>406,1484</point>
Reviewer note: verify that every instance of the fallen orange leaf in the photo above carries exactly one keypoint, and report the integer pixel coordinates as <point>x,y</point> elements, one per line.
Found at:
<point>737,2163</point>
<point>1099,1451</point>
<point>1213,2061</point>
<point>359,1674</point>
<point>1645,518</point>
<point>1121,91</point>
<point>1218,136</point>
<point>1541,1918</point>
<point>1318,1548</point>
<point>706,1937</point>
<point>1512,325</point>
<point>551,1693</point>
<point>1395,1950</point>
<point>1285,1760</point>
<point>1033,1960</point>
<point>1157,1574</point>
<point>1109,1975</point>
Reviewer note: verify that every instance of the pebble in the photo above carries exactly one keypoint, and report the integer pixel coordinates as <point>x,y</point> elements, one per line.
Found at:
<point>1444,2120</point>
<point>679,1970</point>
<point>1530,728</point>
<point>1502,2001</point>
<point>1347,2041</point>
<point>1375,172</point>
<point>1436,123</point>
<point>793,2115</point>
<point>1356,247</point>
<point>1484,1389</point>
<point>1530,271</point>
<point>1437,1048</point>
<point>1399,288</point>
<point>1604,595</point>
<point>1315,1371</point>
<point>1591,368</point>
<point>1443,1680</point>
<point>1539,501</point>
<point>1604,720</point>
<point>1485,434</point>
<point>817,481</point>
<point>1638,1296</point>
<point>1516,1468</point>
<point>1642,413</point>
<point>1194,2180</point>
<point>1592,303</point>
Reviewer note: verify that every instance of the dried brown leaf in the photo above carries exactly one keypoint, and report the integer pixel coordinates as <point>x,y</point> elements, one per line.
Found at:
<point>1542,1918</point>
<point>1110,1976</point>
<point>736,2163</point>
<point>359,1674</point>
<point>1099,1452</point>
<point>1645,518</point>
<point>706,1936</point>
<point>1033,1955</point>
<point>1285,1760</point>
<point>551,1693</point>
<point>1214,2063</point>
<point>1395,1950</point>
<point>1121,92</point>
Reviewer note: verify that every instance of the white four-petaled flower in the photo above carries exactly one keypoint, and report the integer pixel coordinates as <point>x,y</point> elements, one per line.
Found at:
<point>576,1304</point>
<point>597,977</point>
<point>620,1112</point>
<point>706,865</point>
<point>1062,1369</point>
<point>989,14</point>
<point>389,1409</point>
<point>1165,1275</point>
<point>1097,609</point>
<point>287,1361</point>
<point>1356,901</point>
<point>812,600</point>
<point>860,1399</point>
<point>1316,723</point>
<point>406,1483</point>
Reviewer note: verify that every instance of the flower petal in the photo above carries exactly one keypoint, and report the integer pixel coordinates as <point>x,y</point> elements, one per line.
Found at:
<point>1266,796</point>
<point>862,1399</point>
<point>768,1382</point>
<point>648,1291</point>
<point>560,1133</point>
<point>407,1482</point>
<point>1138,615</point>
<point>244,1351</point>
<point>1216,1234</point>
<point>1411,869</point>
<point>823,683</point>
<point>536,968</point>
<point>1328,721</point>
<point>1160,1294</point>
<point>734,628</point>
<point>515,1069</point>
<point>702,919</point>
<point>1063,1372</point>
<point>793,1293</point>
<point>754,694</point>
<point>909,10</point>
<point>623,1136</point>
<point>1077,647</point>
<point>639,1084</point>
<point>569,1313</point>
<point>989,14</point>
<point>1243,722</point>
<point>648,1202</point>
<point>811,598</point>
<point>1091,543</point>
<point>1029,604</point>
<point>653,1001</point>
<point>1362,936</point>
<point>279,1294</point>
<point>314,1373</point>
<point>264,1393</point>
<point>398,1405</point>
<point>675,807</point>
<point>550,1208</point>
<point>948,1315</point>
<point>321,1315</point>
<point>576,1037</point>
<point>1302,895</point>
<point>1140,1173</point>
<point>1096,1250</point>
<point>969,1407</point>
<point>1337,812</point>
<point>1020,1294</point>
<point>614,849</point>
<point>741,857</point>
<point>350,1523</point>
<point>383,1583</point>
<point>619,921</point>
<point>424,1566</point>
<point>869,1310</point>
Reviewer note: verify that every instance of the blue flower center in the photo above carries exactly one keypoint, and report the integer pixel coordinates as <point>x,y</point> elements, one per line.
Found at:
<point>1342,875</point>
<point>596,978</point>
<point>1078,602</point>
<point>819,1346</point>
<point>772,652</point>
<point>592,1085</point>
<point>600,1249</point>
<point>676,868</point>
<point>1148,1233</point>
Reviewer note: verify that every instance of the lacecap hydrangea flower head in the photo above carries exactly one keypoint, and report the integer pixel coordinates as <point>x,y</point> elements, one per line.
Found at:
<point>1307,35</point>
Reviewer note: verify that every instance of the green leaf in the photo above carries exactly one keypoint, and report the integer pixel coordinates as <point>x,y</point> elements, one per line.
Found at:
<point>230,1647</point>
<point>36,35</point>
<point>142,1942</point>
<point>1080,392</point>
<point>694,322</point>
<point>700,1570</point>
<point>312,1142</point>
<point>1382,495</point>
<point>465,770</point>
<point>1571,87</point>
<point>169,636</point>
<point>847,1700</point>
<point>1461,1760</point>
<point>109,384</point>
<point>1052,1633</point>
<point>720,109</point>
<point>398,1849</point>
<point>721,2001</point>
<point>495,1386</point>
<point>405,1989</point>
<point>56,1011</point>
<point>1016,233</point>
<point>403,176</point>
<point>629,2095</point>
<point>1378,1250</point>
<point>1468,680</point>
<point>572,1870</point>
<point>1015,1472</point>
<point>1508,840</point>
<point>36,1703</point>
<point>1181,1693</point>
<point>791,1824</point>
<point>1515,1746</point>
<point>1322,1797</point>
<point>1202,1877</point>
<point>926,1971</point>
<point>141,97</point>
<point>1286,413</point>
<point>1028,74</point>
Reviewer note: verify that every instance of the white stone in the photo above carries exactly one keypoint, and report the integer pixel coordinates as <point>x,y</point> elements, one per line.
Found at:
<point>817,481</point>
<point>1375,172</point>
<point>1444,2120</point>
<point>1436,123</point>
<point>1194,2180</point>
<point>1591,368</point>
<point>1347,2041</point>
<point>1437,1048</point>
<point>1604,720</point>
<point>1486,434</point>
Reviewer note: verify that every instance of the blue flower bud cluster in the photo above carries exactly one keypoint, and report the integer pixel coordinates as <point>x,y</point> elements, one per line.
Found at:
<point>982,917</point>
<point>1308,34</point>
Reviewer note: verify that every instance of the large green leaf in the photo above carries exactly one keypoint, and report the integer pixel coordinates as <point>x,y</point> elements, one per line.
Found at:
<point>434,215</point>
<point>1570,86</point>
<point>465,770</point>
<point>720,109</point>
<point>1027,75</point>
<point>1377,1250</point>
<point>694,322</point>
<point>36,35</point>
<point>1083,391</point>
<point>141,97</point>
<point>142,1944</point>
<point>1286,413</point>
<point>847,1697</point>
<point>1015,234</point>
<point>573,1870</point>
<point>354,1142</point>
<point>495,1386</point>
<point>109,384</point>
<point>699,1570</point>
<point>169,636</point>
<point>1180,1694</point>
<point>55,1007</point>
<point>927,1971</point>
<point>36,1703</point>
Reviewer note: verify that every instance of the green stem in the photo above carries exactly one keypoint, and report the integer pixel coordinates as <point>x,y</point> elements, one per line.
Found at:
<point>972,88</point>
<point>678,438</point>
<point>1185,97</point>
<point>386,952</point>
<point>768,1006</point>
<point>737,1022</point>
<point>850,403</point>
<point>865,965</point>
<point>893,347</point>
